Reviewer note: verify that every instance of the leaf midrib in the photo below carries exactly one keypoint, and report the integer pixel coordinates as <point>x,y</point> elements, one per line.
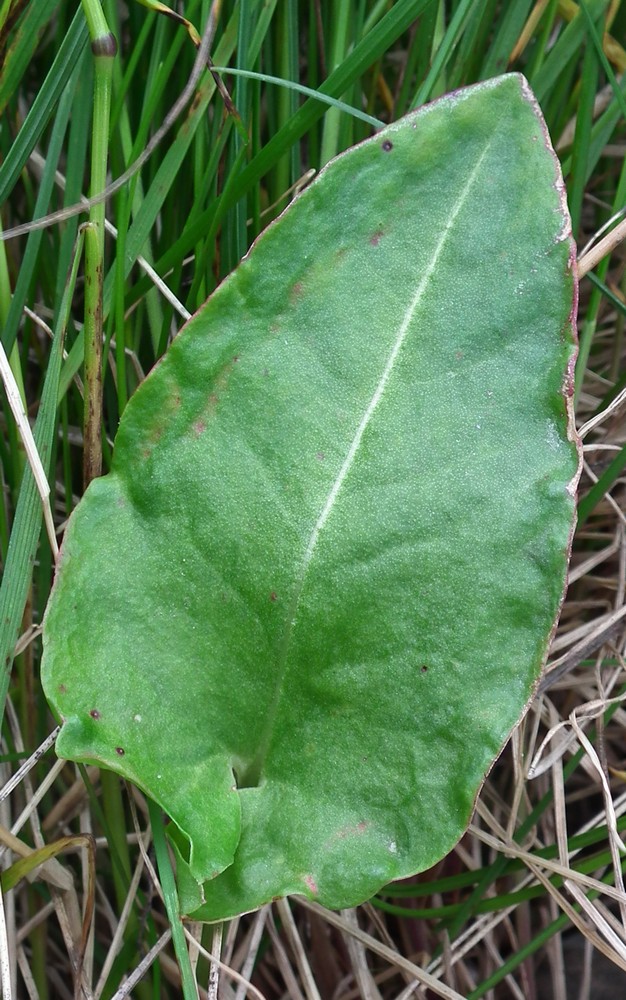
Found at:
<point>254,773</point>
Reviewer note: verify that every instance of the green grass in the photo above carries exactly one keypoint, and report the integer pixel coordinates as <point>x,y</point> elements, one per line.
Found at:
<point>191,212</point>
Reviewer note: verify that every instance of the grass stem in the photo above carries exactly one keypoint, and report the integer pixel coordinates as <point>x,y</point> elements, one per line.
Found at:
<point>104,48</point>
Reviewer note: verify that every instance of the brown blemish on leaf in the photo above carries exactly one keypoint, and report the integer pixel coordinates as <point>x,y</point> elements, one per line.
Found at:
<point>62,689</point>
<point>351,831</point>
<point>423,669</point>
<point>387,146</point>
<point>219,386</point>
<point>273,596</point>
<point>169,408</point>
<point>95,714</point>
<point>295,292</point>
<point>376,237</point>
<point>120,751</point>
<point>198,427</point>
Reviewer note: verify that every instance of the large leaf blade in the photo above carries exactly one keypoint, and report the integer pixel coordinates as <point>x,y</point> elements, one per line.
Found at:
<point>332,549</point>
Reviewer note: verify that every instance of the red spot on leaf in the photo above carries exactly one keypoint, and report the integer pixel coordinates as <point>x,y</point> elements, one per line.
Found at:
<point>198,427</point>
<point>311,884</point>
<point>95,714</point>
<point>120,751</point>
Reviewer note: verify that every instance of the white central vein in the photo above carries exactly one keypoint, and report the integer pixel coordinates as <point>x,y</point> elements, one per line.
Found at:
<point>384,379</point>
<point>354,447</point>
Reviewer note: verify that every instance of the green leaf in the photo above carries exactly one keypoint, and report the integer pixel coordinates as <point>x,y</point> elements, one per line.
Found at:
<point>313,597</point>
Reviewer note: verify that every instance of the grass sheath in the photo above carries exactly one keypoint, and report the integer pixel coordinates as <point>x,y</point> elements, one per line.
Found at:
<point>104,49</point>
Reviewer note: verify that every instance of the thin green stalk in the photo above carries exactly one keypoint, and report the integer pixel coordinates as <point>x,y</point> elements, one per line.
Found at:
<point>584,121</point>
<point>240,210</point>
<point>5,302</point>
<point>541,45</point>
<point>445,49</point>
<point>166,874</point>
<point>342,15</point>
<point>104,48</point>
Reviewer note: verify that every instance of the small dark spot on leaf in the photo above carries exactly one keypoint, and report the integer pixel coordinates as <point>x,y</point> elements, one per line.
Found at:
<point>62,689</point>
<point>198,427</point>
<point>273,596</point>
<point>423,668</point>
<point>376,237</point>
<point>120,751</point>
<point>95,714</point>
<point>387,145</point>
